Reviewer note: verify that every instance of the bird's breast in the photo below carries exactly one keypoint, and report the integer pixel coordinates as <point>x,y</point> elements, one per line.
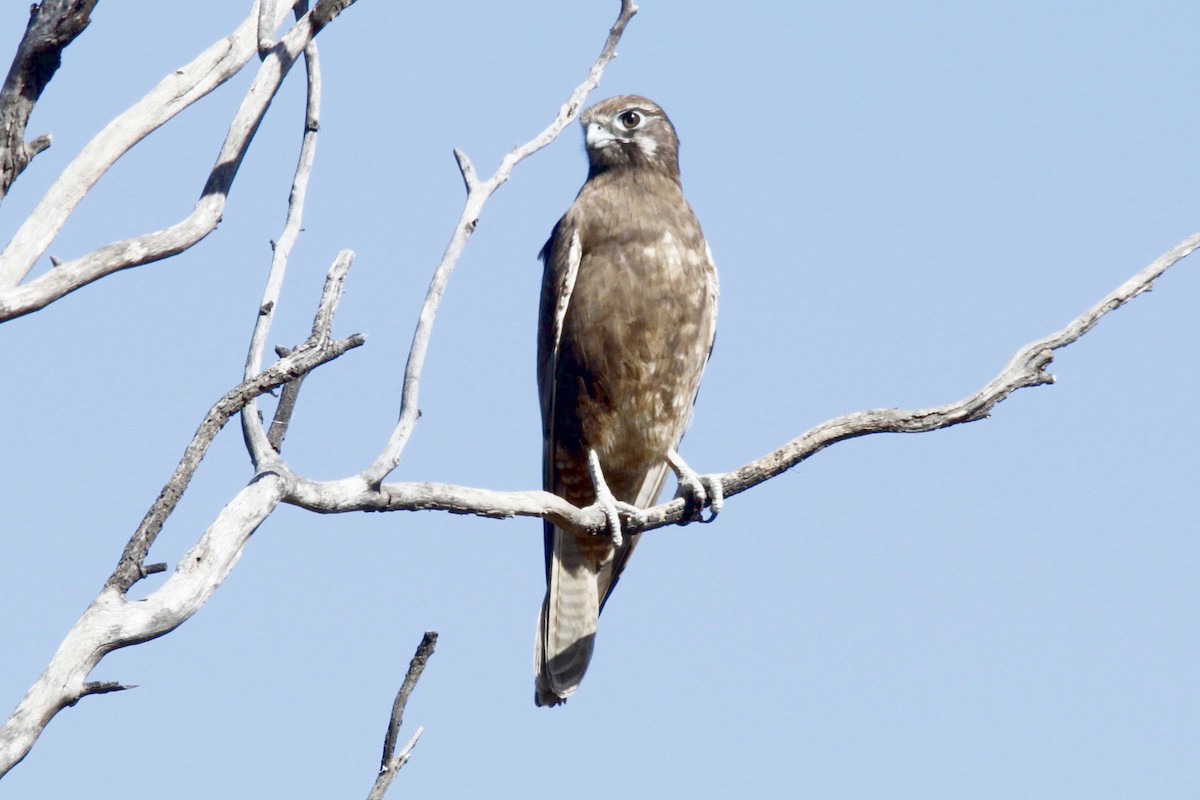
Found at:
<point>634,342</point>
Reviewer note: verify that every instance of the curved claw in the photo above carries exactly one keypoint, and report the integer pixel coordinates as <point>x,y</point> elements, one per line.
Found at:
<point>610,505</point>
<point>716,496</point>
<point>698,491</point>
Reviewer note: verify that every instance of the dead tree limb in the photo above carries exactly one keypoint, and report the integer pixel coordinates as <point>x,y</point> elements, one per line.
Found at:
<point>392,762</point>
<point>1026,368</point>
<point>478,193</point>
<point>174,93</point>
<point>111,621</point>
<point>17,300</point>
<point>53,24</point>
<point>259,444</point>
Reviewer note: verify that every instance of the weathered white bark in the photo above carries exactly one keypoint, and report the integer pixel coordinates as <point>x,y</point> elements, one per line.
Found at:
<point>112,621</point>
<point>173,94</point>
<point>1026,368</point>
<point>258,442</point>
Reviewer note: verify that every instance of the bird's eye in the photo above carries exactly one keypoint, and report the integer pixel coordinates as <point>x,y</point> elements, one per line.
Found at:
<point>630,119</point>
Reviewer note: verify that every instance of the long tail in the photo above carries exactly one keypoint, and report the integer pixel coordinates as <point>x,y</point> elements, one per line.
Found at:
<point>579,580</point>
<point>567,624</point>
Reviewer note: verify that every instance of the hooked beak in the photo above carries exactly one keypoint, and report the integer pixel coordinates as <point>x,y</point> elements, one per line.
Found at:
<point>597,136</point>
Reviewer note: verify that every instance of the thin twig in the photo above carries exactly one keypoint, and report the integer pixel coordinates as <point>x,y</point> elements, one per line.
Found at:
<point>283,409</point>
<point>477,195</point>
<point>301,361</point>
<point>415,667</point>
<point>259,444</point>
<point>315,351</point>
<point>392,761</point>
<point>104,687</point>
<point>383,780</point>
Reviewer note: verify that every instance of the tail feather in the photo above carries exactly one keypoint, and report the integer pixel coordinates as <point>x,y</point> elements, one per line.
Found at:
<point>611,569</point>
<point>567,623</point>
<point>578,582</point>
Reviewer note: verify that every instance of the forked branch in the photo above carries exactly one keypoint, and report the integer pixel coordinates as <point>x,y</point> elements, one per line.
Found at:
<point>32,239</point>
<point>478,193</point>
<point>174,93</point>
<point>392,762</point>
<point>260,445</point>
<point>112,621</point>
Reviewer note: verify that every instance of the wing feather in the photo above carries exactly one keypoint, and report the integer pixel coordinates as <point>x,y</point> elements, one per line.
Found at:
<point>567,623</point>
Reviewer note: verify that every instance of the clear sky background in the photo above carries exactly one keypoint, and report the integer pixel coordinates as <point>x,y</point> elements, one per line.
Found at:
<point>898,196</point>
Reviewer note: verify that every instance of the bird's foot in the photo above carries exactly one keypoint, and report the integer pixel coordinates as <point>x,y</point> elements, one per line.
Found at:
<point>610,505</point>
<point>698,491</point>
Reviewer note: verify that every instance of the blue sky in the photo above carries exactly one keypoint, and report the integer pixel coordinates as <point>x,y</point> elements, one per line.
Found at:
<point>898,196</point>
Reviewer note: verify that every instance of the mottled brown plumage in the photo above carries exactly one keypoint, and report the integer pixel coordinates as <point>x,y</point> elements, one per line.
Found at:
<point>627,319</point>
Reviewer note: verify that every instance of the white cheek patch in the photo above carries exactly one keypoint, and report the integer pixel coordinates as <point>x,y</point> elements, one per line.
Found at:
<point>648,145</point>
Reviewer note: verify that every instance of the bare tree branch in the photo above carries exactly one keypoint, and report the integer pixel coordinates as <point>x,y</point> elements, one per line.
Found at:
<point>326,10</point>
<point>104,687</point>
<point>260,445</point>
<point>268,19</point>
<point>111,621</point>
<point>392,761</point>
<point>316,350</point>
<point>1025,368</point>
<point>53,24</point>
<point>478,194</point>
<point>283,410</point>
<point>384,781</point>
<point>299,362</point>
<point>175,92</point>
<point>136,251</point>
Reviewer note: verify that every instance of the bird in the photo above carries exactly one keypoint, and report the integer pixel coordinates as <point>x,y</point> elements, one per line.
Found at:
<point>626,323</point>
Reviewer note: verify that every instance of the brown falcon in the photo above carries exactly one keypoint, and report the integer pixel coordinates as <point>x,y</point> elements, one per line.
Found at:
<point>627,318</point>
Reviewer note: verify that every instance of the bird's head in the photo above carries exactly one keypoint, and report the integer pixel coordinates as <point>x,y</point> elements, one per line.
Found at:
<point>629,131</point>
